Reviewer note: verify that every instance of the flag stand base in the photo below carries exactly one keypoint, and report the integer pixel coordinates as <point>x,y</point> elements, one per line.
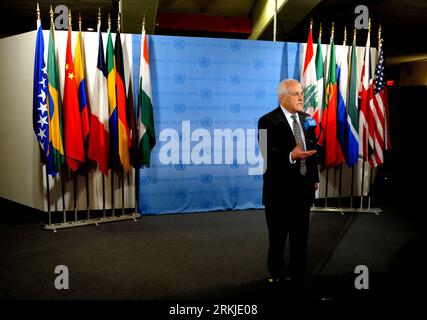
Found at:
<point>376,211</point>
<point>95,221</point>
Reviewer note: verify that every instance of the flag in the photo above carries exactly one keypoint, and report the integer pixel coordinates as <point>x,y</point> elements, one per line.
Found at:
<point>56,129</point>
<point>81,85</point>
<point>320,87</point>
<point>308,79</point>
<point>377,107</point>
<point>328,139</point>
<point>98,146</point>
<point>40,98</point>
<point>365,116</point>
<point>342,73</point>
<point>112,105</point>
<point>132,125</point>
<point>122,125</point>
<point>147,138</point>
<point>352,136</point>
<point>74,149</point>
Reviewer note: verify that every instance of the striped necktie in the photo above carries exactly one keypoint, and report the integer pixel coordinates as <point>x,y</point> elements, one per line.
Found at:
<point>298,139</point>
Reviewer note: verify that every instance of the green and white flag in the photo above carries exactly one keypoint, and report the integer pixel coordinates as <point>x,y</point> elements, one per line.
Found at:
<point>317,115</point>
<point>147,140</point>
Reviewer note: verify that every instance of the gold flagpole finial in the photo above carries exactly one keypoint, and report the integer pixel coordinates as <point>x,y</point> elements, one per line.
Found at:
<point>143,23</point>
<point>109,23</point>
<point>345,36</point>
<point>369,25</point>
<point>354,36</point>
<point>311,23</point>
<point>379,34</point>
<point>332,30</point>
<point>118,22</point>
<point>320,32</point>
<point>99,18</point>
<point>38,12</point>
<point>80,22</point>
<point>69,18</point>
<point>51,15</point>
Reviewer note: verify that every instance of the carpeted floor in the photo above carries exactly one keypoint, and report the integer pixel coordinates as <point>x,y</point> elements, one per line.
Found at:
<point>217,255</point>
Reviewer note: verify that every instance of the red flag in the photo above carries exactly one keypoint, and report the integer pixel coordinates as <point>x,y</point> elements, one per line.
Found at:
<point>328,139</point>
<point>74,150</point>
<point>366,125</point>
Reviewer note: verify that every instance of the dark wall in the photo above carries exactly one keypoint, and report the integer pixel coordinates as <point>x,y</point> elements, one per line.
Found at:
<point>401,181</point>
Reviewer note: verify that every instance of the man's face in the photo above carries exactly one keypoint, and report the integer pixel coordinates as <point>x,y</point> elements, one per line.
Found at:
<point>293,101</point>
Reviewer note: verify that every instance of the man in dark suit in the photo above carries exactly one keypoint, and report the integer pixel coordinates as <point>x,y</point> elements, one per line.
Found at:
<point>291,178</point>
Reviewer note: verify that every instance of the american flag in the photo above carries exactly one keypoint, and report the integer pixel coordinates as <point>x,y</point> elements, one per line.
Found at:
<point>378,108</point>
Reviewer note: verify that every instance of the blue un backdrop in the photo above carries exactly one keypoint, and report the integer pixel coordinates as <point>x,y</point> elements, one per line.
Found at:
<point>200,85</point>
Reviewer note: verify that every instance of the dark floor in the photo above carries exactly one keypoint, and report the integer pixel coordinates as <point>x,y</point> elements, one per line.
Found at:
<point>194,259</point>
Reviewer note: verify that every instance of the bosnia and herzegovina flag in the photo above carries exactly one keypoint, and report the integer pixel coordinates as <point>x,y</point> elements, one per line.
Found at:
<point>81,87</point>
<point>74,147</point>
<point>112,105</point>
<point>56,138</point>
<point>122,126</point>
<point>147,137</point>
<point>40,98</point>
<point>98,146</point>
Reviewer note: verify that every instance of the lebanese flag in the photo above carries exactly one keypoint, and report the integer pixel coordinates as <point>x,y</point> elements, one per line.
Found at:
<point>320,86</point>
<point>98,149</point>
<point>74,148</point>
<point>308,79</point>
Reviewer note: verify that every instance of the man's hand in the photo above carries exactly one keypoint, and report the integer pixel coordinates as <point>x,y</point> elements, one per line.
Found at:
<point>298,154</point>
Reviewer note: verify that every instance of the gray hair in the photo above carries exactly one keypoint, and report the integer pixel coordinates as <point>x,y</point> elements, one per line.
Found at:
<point>283,86</point>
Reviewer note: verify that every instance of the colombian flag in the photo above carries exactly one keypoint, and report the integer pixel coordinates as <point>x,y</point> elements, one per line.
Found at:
<point>81,85</point>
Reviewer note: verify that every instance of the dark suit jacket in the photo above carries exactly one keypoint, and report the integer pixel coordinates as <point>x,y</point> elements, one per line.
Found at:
<point>282,180</point>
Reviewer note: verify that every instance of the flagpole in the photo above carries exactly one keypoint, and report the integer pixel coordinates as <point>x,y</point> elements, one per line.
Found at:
<point>85,142</point>
<point>363,168</point>
<point>138,114</point>
<point>61,173</point>
<point>72,173</point>
<point>352,168</point>
<point>122,171</point>
<point>102,174</point>
<point>340,168</point>
<point>113,158</point>
<point>38,23</point>
<point>327,169</point>
<point>275,21</point>
<point>63,196</point>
